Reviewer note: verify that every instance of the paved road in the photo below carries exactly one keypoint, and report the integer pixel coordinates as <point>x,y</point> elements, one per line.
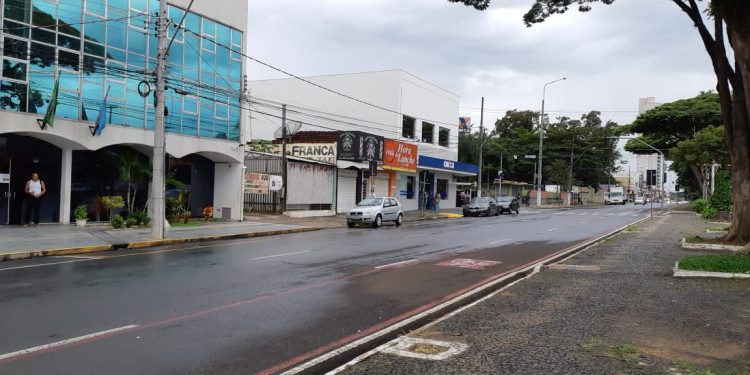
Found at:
<point>261,305</point>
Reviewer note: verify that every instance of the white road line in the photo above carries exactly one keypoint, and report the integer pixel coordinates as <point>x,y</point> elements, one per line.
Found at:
<point>583,213</point>
<point>552,230</point>
<point>595,213</point>
<point>499,241</point>
<point>417,235</point>
<point>45,264</point>
<point>397,263</point>
<point>280,255</point>
<point>64,342</point>
<point>583,222</point>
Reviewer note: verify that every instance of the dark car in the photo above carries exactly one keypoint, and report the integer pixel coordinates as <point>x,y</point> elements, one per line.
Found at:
<point>481,206</point>
<point>508,204</point>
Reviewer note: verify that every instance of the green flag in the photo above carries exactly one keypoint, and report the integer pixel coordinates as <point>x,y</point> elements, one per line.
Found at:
<point>49,117</point>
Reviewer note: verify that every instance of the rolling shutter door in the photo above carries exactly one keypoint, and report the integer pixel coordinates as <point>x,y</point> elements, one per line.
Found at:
<point>346,190</point>
<point>381,185</point>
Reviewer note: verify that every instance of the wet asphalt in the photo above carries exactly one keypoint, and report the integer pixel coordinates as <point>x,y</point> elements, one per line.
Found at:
<point>261,305</point>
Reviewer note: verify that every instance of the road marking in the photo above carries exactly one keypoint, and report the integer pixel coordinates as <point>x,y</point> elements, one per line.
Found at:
<point>595,213</point>
<point>499,241</point>
<point>417,235</point>
<point>64,342</point>
<point>583,222</point>
<point>397,263</point>
<point>552,230</point>
<point>45,264</point>
<point>280,255</point>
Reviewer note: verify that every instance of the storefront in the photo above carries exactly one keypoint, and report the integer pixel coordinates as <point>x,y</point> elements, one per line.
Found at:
<point>438,176</point>
<point>400,165</point>
<point>359,153</point>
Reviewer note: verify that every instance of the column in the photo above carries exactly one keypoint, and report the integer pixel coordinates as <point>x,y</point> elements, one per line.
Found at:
<point>66,171</point>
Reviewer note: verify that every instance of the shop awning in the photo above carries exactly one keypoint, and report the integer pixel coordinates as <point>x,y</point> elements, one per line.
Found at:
<point>343,164</point>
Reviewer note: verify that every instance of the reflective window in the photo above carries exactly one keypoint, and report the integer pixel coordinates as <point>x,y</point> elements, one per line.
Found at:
<point>69,42</point>
<point>69,81</point>
<point>17,29</point>
<point>44,13</point>
<point>69,60</point>
<point>69,13</point>
<point>16,48</point>
<point>43,35</point>
<point>93,48</point>
<point>136,41</point>
<point>42,57</point>
<point>14,70</point>
<point>13,96</point>
<point>117,33</point>
<point>209,27</point>
<point>95,7</point>
<point>67,105</point>
<point>19,10</point>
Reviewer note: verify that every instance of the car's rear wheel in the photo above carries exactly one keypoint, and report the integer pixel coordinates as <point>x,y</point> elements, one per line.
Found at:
<point>399,220</point>
<point>378,222</point>
<point>516,211</point>
<point>350,225</point>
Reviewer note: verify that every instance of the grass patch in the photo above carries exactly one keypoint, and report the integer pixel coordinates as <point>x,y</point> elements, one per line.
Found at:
<point>625,352</point>
<point>739,263</point>
<point>694,239</point>
<point>190,223</point>
<point>631,228</point>
<point>718,229</point>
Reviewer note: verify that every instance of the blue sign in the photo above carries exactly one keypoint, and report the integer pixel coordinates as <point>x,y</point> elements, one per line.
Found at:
<point>426,161</point>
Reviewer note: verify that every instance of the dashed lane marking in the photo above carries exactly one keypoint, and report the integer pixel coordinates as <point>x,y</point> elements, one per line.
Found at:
<point>397,263</point>
<point>63,343</point>
<point>499,241</point>
<point>45,264</point>
<point>280,255</point>
<point>552,229</point>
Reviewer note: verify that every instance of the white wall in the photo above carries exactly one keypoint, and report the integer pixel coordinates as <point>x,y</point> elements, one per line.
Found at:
<point>228,12</point>
<point>395,90</point>
<point>228,189</point>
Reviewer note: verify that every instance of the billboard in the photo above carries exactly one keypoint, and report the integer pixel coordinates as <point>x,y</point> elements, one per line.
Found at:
<point>400,156</point>
<point>256,183</point>
<point>359,146</point>
<point>464,124</point>
<point>324,152</point>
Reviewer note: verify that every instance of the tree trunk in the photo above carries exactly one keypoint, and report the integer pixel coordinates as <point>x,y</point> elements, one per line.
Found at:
<point>737,18</point>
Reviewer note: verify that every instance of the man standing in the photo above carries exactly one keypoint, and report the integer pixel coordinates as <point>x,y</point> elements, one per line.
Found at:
<point>35,189</point>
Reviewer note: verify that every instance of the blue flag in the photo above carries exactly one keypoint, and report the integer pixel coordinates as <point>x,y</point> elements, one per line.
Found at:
<point>101,120</point>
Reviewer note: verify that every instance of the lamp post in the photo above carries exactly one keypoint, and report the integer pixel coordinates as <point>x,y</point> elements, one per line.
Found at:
<point>661,180</point>
<point>541,139</point>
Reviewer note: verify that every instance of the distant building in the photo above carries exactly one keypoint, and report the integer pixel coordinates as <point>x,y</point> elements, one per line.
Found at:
<point>649,162</point>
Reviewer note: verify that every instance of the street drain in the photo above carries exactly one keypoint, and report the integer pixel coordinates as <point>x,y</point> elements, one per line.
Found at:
<point>434,350</point>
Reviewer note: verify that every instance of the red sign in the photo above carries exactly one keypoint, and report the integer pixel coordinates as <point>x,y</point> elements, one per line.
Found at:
<point>400,156</point>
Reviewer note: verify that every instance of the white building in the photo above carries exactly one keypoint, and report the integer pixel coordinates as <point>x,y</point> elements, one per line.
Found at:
<point>651,162</point>
<point>392,105</point>
<point>98,48</point>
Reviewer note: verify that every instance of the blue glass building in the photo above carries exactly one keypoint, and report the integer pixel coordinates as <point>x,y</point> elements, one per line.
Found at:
<point>109,47</point>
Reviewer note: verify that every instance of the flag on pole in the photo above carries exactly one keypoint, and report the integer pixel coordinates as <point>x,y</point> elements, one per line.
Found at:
<point>49,117</point>
<point>101,120</point>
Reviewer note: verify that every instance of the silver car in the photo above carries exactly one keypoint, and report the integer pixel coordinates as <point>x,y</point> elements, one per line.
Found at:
<point>374,211</point>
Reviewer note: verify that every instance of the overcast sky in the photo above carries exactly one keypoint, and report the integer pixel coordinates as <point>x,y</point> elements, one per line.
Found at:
<point>611,56</point>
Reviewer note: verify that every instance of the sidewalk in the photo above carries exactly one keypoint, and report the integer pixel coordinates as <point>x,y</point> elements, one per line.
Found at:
<point>611,309</point>
<point>18,242</point>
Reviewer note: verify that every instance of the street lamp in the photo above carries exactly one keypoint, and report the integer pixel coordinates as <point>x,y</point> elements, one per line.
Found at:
<point>661,180</point>
<point>541,138</point>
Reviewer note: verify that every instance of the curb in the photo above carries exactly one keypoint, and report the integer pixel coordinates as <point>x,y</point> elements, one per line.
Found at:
<point>141,244</point>
<point>677,272</point>
<point>734,249</point>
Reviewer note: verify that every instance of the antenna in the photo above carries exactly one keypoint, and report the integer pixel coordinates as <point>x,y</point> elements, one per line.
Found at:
<point>292,127</point>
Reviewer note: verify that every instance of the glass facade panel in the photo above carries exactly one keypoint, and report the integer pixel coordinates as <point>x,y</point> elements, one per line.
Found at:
<point>13,96</point>
<point>78,38</point>
<point>19,10</point>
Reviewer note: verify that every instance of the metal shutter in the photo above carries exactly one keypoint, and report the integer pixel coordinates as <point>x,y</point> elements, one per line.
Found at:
<point>346,190</point>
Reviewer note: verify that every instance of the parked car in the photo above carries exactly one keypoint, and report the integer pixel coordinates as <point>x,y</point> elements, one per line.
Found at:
<point>639,200</point>
<point>481,206</point>
<point>374,211</point>
<point>508,204</point>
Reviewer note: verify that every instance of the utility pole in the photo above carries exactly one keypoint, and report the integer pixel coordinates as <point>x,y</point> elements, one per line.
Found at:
<point>283,158</point>
<point>481,147</point>
<point>157,182</point>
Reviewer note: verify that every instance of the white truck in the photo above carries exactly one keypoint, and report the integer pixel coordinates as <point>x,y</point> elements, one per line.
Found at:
<point>616,195</point>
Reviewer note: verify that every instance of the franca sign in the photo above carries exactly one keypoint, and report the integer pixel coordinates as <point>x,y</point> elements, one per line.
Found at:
<point>325,152</point>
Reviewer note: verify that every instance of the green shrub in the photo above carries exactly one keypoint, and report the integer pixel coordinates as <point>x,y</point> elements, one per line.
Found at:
<point>699,205</point>
<point>80,213</point>
<point>111,203</point>
<point>721,199</point>
<point>117,221</point>
<point>139,217</point>
<point>709,213</point>
<point>131,221</point>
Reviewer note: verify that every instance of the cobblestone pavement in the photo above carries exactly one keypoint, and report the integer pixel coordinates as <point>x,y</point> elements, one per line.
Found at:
<point>622,314</point>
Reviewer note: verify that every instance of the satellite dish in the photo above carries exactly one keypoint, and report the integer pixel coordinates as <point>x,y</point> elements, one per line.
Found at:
<point>292,127</point>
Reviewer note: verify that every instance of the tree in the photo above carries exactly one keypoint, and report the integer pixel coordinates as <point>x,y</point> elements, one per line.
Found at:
<point>690,158</point>
<point>132,170</point>
<point>725,17</point>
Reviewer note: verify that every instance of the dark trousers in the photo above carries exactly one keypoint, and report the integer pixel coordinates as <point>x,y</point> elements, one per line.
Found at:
<point>32,204</point>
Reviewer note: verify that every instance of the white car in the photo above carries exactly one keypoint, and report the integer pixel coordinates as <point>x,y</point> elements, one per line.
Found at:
<point>374,211</point>
<point>639,200</point>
